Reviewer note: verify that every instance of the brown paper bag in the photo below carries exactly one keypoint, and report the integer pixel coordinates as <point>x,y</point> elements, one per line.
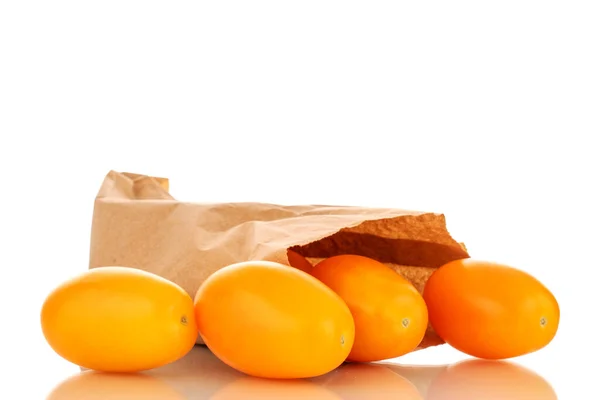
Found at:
<point>137,223</point>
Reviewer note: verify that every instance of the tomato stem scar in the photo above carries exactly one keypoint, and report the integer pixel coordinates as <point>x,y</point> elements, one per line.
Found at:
<point>543,321</point>
<point>405,322</point>
<point>342,341</point>
<point>183,320</point>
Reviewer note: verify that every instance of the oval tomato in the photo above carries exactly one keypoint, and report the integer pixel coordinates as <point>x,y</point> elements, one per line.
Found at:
<point>489,310</point>
<point>390,315</point>
<point>272,321</point>
<point>119,319</point>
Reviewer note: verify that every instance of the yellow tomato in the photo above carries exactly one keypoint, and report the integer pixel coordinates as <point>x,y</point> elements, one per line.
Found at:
<point>389,313</point>
<point>119,319</point>
<point>489,310</point>
<point>272,321</point>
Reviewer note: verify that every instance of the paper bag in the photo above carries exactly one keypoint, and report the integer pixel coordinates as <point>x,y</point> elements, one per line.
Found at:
<point>138,224</point>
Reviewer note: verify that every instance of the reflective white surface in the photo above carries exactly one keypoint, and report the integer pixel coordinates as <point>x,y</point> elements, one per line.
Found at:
<point>200,375</point>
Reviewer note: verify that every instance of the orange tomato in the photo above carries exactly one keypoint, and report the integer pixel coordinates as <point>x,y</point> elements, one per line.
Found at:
<point>272,321</point>
<point>390,315</point>
<point>119,319</point>
<point>491,380</point>
<point>298,261</point>
<point>490,310</point>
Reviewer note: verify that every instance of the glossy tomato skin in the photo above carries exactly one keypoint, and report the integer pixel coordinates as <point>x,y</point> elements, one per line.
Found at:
<point>272,321</point>
<point>490,310</point>
<point>118,319</point>
<point>389,313</point>
<point>298,261</point>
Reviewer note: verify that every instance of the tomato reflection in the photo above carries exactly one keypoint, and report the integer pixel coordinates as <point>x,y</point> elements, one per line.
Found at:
<point>91,385</point>
<point>201,375</point>
<point>368,381</point>
<point>257,388</point>
<point>490,380</point>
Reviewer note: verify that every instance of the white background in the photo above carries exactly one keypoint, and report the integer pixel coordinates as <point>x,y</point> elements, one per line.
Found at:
<point>486,111</point>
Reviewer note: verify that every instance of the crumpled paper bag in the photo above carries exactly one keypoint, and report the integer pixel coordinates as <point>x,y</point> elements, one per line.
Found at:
<point>137,223</point>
